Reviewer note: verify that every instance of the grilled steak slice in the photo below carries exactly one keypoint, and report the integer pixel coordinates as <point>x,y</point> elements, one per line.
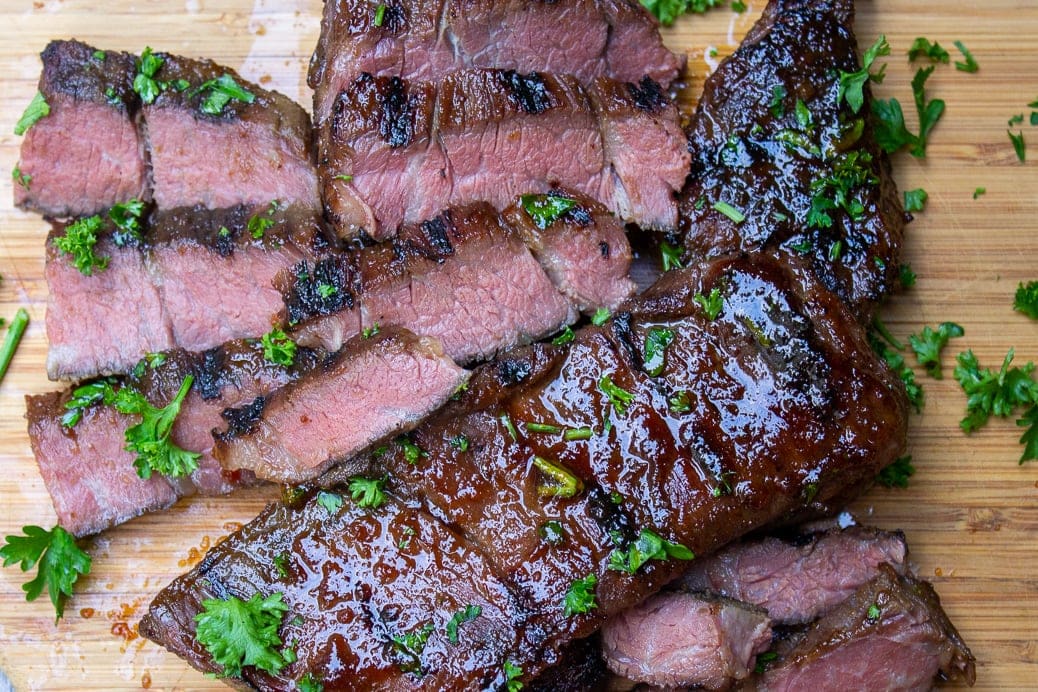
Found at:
<point>397,151</point>
<point>197,279</point>
<point>775,405</point>
<point>463,277</point>
<point>425,40</point>
<point>796,581</point>
<point>375,387</point>
<point>774,138</point>
<point>580,669</point>
<point>254,152</point>
<point>680,639</point>
<point>584,251</point>
<point>86,154</point>
<point>891,634</point>
<point>89,474</point>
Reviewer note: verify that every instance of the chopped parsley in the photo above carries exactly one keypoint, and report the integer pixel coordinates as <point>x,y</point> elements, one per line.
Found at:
<point>1026,299</point>
<point>551,532</point>
<point>309,683</point>
<point>670,257</point>
<point>1019,146</point>
<point>37,108</point>
<point>896,475</point>
<point>278,348</point>
<point>580,597</point>
<point>369,332</point>
<point>852,84</point>
<point>979,191</point>
<point>144,83</point>
<point>460,443</point>
<point>411,645</point>
<point>656,343</point>
<point>567,335</point>
<point>331,502</point>
<point>619,397</point>
<point>468,614</point>
<point>562,482</point>
<point>600,317</point>
<point>512,675</point>
<point>777,105</point>
<point>970,65</point>
<point>367,492</point>
<point>545,210</point>
<point>1000,394</point>
<point>915,200</point>
<point>281,565</point>
<point>850,171</point>
<point>412,452</point>
<point>220,92</point>
<point>260,222</point>
<point>84,397</point>
<point>889,119</point>
<point>729,211</point>
<point>679,403</point>
<point>922,48</point>
<point>127,220</point>
<point>928,345</point>
<point>60,563</point>
<point>20,178</point>
<point>711,304</point>
<point>888,351</point>
<point>239,633</point>
<point>326,291</point>
<point>648,546</point>
<point>78,241</point>
<point>380,15</point>
<point>905,276</point>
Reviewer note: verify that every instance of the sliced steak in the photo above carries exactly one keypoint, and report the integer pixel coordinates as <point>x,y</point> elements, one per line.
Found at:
<point>397,152</point>
<point>775,405</point>
<point>584,251</point>
<point>89,474</point>
<point>680,639</point>
<point>890,635</point>
<point>424,40</point>
<point>374,388</point>
<point>774,138</point>
<point>798,580</point>
<point>86,154</point>
<point>463,277</point>
<point>197,279</point>
<point>253,152</point>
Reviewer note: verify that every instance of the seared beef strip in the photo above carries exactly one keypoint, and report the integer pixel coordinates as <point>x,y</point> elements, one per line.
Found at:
<point>377,386</point>
<point>774,138</point>
<point>890,635</point>
<point>425,40</point>
<point>774,406</point>
<point>194,280</point>
<point>681,639</point>
<point>89,474</point>
<point>798,580</point>
<point>87,153</point>
<point>396,151</point>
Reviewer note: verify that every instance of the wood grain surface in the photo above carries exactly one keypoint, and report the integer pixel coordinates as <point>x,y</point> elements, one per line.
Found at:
<point>971,513</point>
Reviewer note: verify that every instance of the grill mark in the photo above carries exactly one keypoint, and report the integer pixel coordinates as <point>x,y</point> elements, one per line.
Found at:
<point>208,378</point>
<point>647,94</point>
<point>243,420</point>
<point>529,92</point>
<point>436,231</point>
<point>396,126</point>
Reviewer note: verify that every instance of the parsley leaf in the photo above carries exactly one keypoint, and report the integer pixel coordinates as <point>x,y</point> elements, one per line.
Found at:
<point>149,439</point>
<point>600,317</point>
<point>889,126</point>
<point>979,191</point>
<point>127,219</point>
<point>1030,437</point>
<point>668,10</point>
<point>929,111</point>
<point>970,65</point>
<point>580,597</point>
<point>545,210</point>
<point>1019,146</point>
<point>512,675</point>
<point>278,348</point>
<point>567,335</point>
<point>23,179</point>
<point>221,91</point>
<point>852,84</point>
<point>470,612</point>
<point>897,363</point>
<point>60,561</point>
<point>648,546</point>
<point>896,475</point>
<point>79,241</point>
<point>777,104</point>
<point>929,344</point>
<point>239,633</point>
<point>37,108</point>
<point>83,398</point>
<point>850,171</point>
<point>411,645</point>
<point>309,683</point>
<point>915,200</point>
<point>712,304</point>
<point>367,492</point>
<point>1026,299</point>
<point>412,452</point>
<point>922,47</point>
<point>656,343</point>
<point>993,394</point>
<point>144,83</point>
<point>906,276</point>
<point>619,397</point>
<point>331,502</point>
<point>670,257</point>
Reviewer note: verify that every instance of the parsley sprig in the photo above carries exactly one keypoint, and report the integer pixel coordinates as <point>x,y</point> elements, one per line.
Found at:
<point>580,597</point>
<point>544,210</point>
<point>928,345</point>
<point>852,84</point>
<point>79,241</point>
<point>1026,299</point>
<point>219,92</point>
<point>648,546</point>
<point>239,633</point>
<point>278,348</point>
<point>990,393</point>
<point>60,560</point>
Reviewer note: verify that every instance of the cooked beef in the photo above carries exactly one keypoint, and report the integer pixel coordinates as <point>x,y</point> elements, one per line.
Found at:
<point>778,404</point>
<point>584,252</point>
<point>86,155</point>
<point>375,387</point>
<point>798,580</point>
<point>397,151</point>
<point>580,669</point>
<point>88,473</point>
<point>197,279</point>
<point>463,277</point>
<point>890,635</point>
<point>426,40</point>
<point>248,153</point>
<point>681,639</point>
<point>774,138</point>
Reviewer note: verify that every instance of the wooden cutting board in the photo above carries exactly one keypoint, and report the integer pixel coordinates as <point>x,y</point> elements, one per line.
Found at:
<point>970,514</point>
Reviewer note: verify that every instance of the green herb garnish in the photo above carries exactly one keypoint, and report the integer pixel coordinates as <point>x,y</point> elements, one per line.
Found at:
<point>367,492</point>
<point>922,48</point>
<point>1026,299</point>
<point>239,633</point>
<point>970,65</point>
<point>928,345</point>
<point>711,304</point>
<point>37,108</point>
<point>896,475</point>
<point>545,210</point>
<point>648,546</point>
<point>656,343</point>
<point>60,561</point>
<point>78,241</point>
<point>469,613</point>
<point>278,348</point>
<point>915,200</point>
<point>580,597</point>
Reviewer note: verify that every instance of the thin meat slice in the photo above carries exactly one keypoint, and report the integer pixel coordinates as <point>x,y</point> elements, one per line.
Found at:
<point>463,277</point>
<point>88,472</point>
<point>245,153</point>
<point>86,154</point>
<point>195,279</point>
<point>796,581</point>
<point>398,152</point>
<point>584,251</point>
<point>782,164</point>
<point>680,639</point>
<point>781,407</point>
<point>374,388</point>
<point>425,40</point>
<point>890,635</point>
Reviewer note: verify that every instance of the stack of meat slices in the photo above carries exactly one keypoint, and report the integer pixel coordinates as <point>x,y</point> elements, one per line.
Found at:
<point>734,394</point>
